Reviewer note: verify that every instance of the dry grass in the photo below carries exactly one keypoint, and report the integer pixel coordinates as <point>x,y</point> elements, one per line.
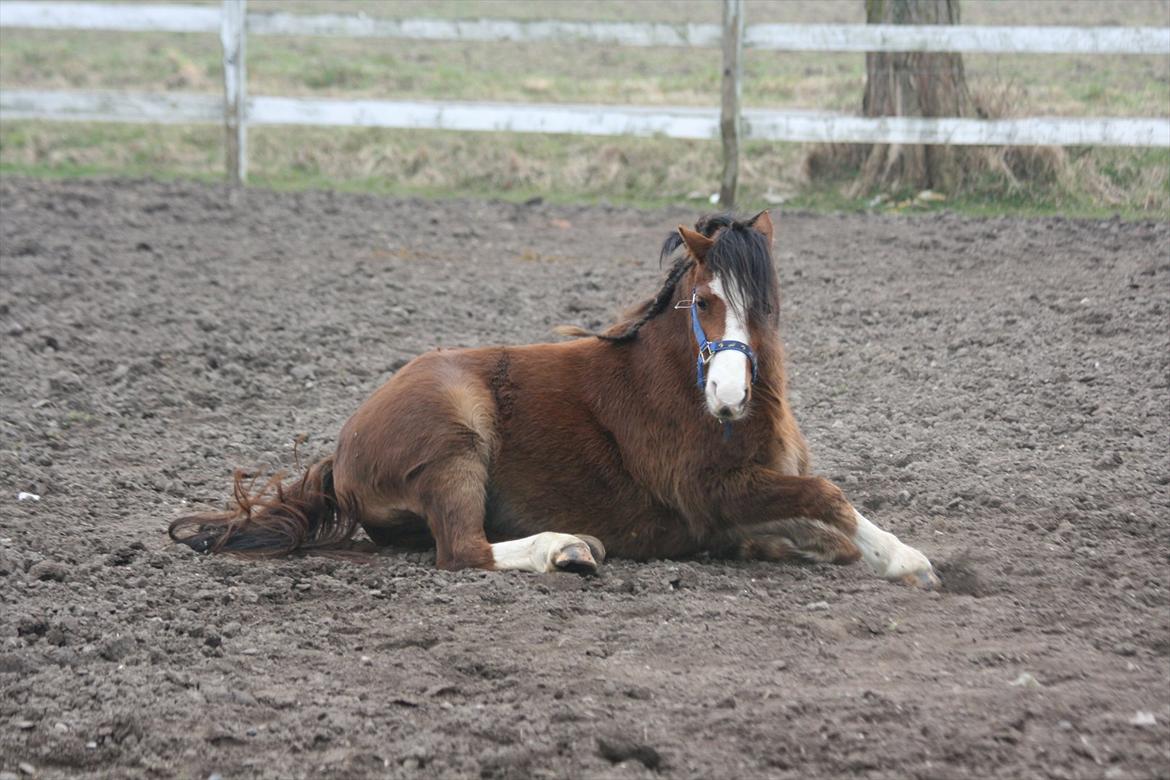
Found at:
<point>1079,178</point>
<point>640,170</point>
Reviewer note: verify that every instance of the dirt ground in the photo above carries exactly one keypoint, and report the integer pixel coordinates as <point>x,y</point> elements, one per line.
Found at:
<point>994,391</point>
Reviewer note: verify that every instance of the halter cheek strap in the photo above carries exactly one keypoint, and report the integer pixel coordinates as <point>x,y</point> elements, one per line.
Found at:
<point>709,349</point>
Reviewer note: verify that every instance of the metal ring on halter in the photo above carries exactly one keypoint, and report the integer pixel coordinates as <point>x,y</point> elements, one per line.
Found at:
<point>709,349</point>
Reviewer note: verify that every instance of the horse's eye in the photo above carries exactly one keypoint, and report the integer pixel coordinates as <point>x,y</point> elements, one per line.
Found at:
<point>702,304</point>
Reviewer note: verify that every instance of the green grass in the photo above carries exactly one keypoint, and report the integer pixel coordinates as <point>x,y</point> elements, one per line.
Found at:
<point>627,170</point>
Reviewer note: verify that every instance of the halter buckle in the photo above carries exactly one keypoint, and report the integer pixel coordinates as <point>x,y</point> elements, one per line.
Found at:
<point>686,304</point>
<point>706,353</point>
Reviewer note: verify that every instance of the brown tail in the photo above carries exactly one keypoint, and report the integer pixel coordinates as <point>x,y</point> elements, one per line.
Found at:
<point>274,520</point>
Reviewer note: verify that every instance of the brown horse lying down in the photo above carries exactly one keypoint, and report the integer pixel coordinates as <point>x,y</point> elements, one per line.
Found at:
<point>667,435</point>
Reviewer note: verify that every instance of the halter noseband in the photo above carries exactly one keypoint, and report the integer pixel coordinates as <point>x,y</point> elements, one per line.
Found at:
<point>709,349</point>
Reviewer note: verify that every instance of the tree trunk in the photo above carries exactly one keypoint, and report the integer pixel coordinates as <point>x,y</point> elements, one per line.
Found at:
<point>925,84</point>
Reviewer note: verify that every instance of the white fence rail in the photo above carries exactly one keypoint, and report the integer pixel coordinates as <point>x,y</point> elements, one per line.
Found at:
<point>238,111</point>
<point>604,120</point>
<point>774,37</point>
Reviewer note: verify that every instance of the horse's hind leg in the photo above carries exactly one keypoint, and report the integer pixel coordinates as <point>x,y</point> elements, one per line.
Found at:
<point>400,529</point>
<point>452,494</point>
<point>549,551</point>
<point>453,498</point>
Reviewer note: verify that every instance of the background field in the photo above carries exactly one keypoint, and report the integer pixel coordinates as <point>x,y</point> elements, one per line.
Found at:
<point>644,171</point>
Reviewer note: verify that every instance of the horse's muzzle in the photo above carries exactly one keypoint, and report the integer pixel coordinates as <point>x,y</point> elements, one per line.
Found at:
<point>727,403</point>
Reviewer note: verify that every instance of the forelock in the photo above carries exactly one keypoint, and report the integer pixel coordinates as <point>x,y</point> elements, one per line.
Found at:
<point>741,258</point>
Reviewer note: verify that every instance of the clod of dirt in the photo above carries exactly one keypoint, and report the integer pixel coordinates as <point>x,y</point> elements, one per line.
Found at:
<point>116,649</point>
<point>65,382</point>
<point>49,570</point>
<point>10,563</point>
<point>1025,680</point>
<point>302,372</point>
<point>31,625</point>
<point>416,758</point>
<point>959,575</point>
<point>221,736</point>
<point>505,766</point>
<point>640,692</point>
<point>122,557</point>
<point>616,748</point>
<point>56,636</point>
<point>1112,460</point>
<point>11,663</point>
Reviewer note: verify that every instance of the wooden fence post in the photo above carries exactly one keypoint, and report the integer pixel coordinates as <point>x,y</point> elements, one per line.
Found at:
<point>234,37</point>
<point>729,121</point>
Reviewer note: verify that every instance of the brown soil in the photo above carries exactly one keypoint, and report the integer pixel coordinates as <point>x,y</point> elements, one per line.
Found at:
<point>993,391</point>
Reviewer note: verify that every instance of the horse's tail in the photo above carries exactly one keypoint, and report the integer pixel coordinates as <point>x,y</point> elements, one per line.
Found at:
<point>273,520</point>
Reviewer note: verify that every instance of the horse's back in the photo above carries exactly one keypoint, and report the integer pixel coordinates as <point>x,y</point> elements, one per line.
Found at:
<point>445,406</point>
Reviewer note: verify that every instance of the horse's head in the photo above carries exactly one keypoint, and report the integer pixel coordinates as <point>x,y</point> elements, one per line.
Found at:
<point>730,298</point>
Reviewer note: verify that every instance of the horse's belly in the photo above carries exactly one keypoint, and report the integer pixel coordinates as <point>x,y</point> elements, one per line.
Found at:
<point>584,501</point>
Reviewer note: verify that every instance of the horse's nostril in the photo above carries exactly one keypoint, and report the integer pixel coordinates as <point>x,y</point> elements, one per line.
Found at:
<point>725,412</point>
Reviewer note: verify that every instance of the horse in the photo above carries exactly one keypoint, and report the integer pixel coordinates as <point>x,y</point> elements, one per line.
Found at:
<point>667,435</point>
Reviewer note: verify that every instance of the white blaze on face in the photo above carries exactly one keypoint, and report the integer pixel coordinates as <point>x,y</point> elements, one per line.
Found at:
<point>729,372</point>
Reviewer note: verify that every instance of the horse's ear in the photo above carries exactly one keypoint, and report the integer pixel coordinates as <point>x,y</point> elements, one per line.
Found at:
<point>698,243</point>
<point>763,223</point>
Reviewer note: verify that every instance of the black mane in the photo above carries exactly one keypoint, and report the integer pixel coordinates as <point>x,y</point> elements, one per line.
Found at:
<point>740,254</point>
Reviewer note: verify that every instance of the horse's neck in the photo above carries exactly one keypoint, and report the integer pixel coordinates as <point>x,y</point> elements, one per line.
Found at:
<point>646,396</point>
<point>662,359</point>
<point>771,357</point>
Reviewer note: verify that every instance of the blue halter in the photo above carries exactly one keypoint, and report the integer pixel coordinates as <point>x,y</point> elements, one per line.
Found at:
<point>709,349</point>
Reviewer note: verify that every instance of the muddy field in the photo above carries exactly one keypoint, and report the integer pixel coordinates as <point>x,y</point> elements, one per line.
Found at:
<point>993,391</point>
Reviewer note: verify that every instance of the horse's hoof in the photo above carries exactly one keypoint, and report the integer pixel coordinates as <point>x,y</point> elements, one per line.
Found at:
<point>596,548</point>
<point>576,557</point>
<point>925,579</point>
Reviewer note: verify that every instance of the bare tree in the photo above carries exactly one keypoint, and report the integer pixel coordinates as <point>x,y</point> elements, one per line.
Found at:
<point>930,84</point>
<point>925,84</point>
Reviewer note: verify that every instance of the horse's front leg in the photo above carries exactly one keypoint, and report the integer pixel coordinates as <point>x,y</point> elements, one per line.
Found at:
<point>890,557</point>
<point>788,516</point>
